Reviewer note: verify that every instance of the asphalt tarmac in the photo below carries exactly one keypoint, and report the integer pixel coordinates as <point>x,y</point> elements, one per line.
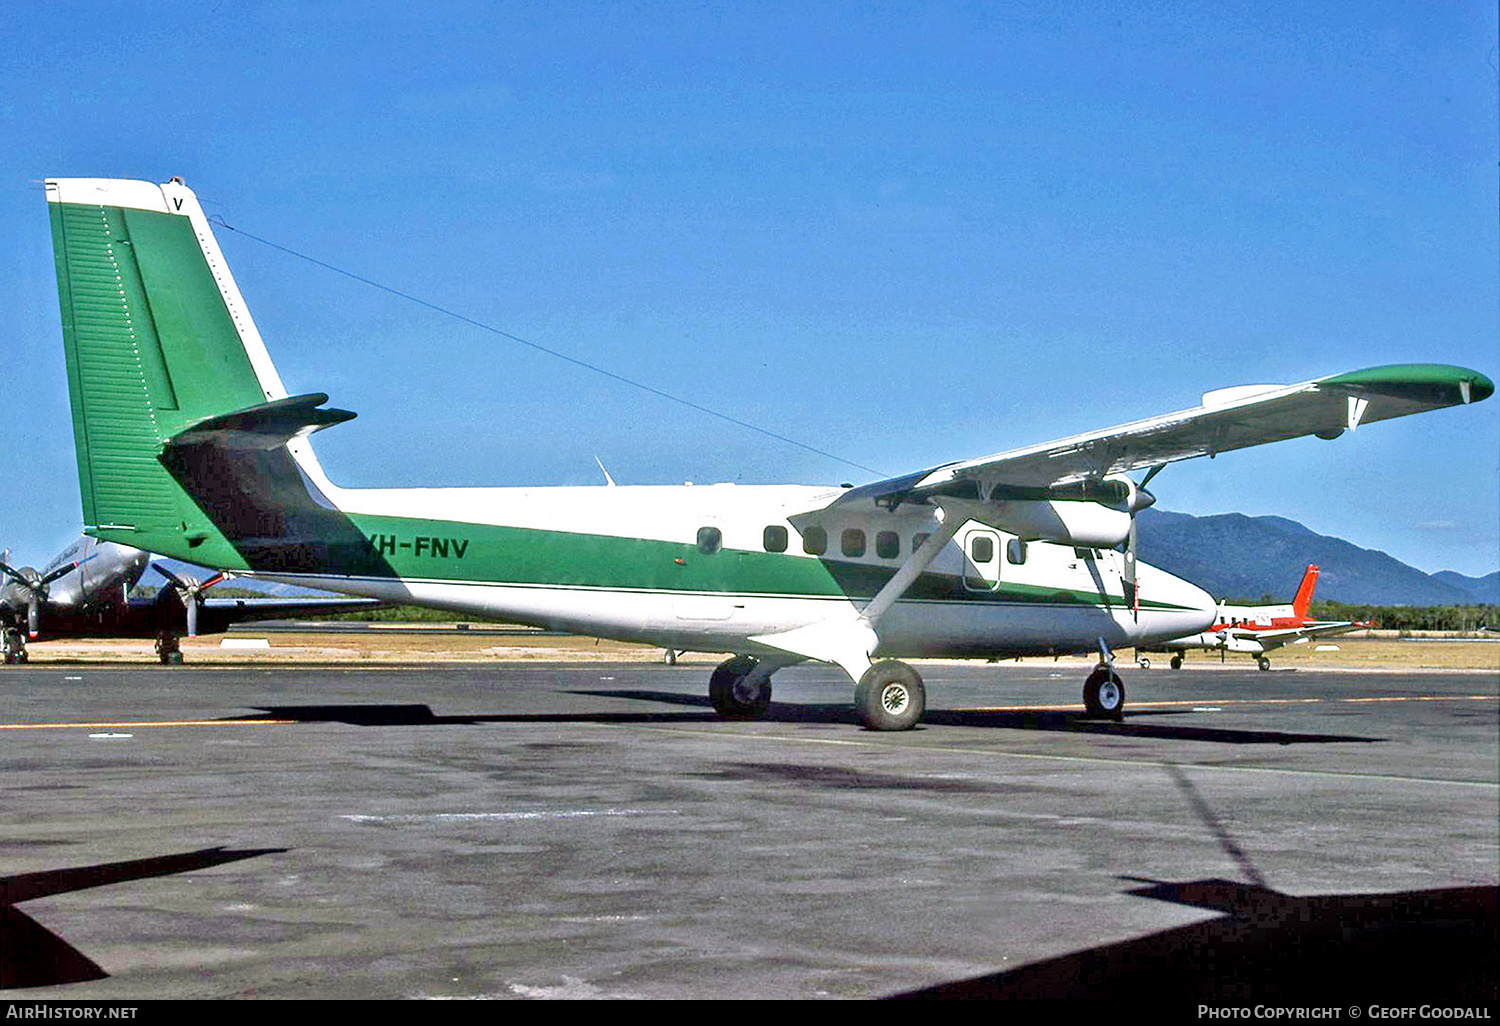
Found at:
<point>535,831</point>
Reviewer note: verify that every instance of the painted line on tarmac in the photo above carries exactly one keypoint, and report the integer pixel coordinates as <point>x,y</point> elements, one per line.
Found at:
<point>143,724</point>
<point>464,817</point>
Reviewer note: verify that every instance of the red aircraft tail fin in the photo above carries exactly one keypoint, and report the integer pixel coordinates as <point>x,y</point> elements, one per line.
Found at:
<point>1303,600</point>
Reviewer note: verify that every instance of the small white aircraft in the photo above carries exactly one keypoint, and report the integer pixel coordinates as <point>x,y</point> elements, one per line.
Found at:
<point>190,446</point>
<point>1257,630</point>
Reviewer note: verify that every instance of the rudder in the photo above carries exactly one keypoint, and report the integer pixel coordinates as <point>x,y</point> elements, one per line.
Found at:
<point>157,338</point>
<point>1303,601</point>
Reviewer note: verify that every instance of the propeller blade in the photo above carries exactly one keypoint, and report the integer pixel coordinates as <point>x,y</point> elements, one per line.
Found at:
<point>169,575</point>
<point>33,616</point>
<point>61,571</point>
<point>13,574</point>
<point>192,616</point>
<point>1132,587</point>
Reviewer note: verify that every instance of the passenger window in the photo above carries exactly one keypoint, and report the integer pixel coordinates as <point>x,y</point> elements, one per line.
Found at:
<point>887,545</point>
<point>814,541</point>
<point>710,540</point>
<point>852,542</point>
<point>1015,551</point>
<point>982,549</point>
<point>774,538</point>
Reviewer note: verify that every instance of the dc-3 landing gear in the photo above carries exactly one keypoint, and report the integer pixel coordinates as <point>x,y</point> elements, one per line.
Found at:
<point>167,649</point>
<point>15,646</point>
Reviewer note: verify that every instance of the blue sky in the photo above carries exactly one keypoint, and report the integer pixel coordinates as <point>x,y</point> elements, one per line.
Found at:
<point>900,233</point>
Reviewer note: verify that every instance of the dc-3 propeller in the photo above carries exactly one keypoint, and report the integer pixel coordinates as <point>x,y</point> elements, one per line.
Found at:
<point>189,591</point>
<point>34,584</point>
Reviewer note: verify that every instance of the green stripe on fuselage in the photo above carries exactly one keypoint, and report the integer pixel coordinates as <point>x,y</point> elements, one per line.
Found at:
<point>455,552</point>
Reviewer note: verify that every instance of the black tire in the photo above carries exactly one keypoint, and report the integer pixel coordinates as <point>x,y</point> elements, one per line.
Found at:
<point>1104,694</point>
<point>171,658</point>
<point>1263,663</point>
<point>1176,663</point>
<point>728,695</point>
<point>890,696</point>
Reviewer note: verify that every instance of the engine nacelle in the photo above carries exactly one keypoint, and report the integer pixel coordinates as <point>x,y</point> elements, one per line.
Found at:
<point>1092,514</point>
<point>1066,522</point>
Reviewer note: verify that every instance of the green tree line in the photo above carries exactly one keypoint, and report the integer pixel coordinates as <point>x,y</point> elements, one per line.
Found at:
<point>1411,618</point>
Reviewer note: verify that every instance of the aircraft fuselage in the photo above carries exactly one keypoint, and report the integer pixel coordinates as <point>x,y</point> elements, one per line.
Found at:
<point>709,567</point>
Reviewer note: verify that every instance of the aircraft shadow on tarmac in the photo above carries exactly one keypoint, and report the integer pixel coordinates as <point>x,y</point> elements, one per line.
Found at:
<point>417,714</point>
<point>1432,947</point>
<point>1073,722</point>
<point>33,956</point>
<point>421,715</point>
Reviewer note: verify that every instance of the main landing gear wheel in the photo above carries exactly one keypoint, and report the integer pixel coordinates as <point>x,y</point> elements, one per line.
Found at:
<point>1104,694</point>
<point>1176,663</point>
<point>890,696</point>
<point>1263,663</point>
<point>731,693</point>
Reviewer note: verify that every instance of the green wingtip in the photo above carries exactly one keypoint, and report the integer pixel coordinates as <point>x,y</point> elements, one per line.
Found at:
<point>1419,377</point>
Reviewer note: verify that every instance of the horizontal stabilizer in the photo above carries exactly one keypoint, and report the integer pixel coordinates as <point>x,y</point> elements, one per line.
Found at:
<point>266,426</point>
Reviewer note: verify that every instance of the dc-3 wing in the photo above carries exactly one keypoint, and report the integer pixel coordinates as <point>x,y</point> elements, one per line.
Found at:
<point>1228,419</point>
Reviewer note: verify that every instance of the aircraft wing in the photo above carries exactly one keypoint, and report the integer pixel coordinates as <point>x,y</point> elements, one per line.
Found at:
<point>1228,419</point>
<point>1287,635</point>
<point>225,611</point>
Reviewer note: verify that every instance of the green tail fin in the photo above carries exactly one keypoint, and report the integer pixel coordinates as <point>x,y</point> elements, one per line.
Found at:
<point>157,339</point>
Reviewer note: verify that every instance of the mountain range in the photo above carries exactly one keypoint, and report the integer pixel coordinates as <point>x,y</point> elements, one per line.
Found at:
<point>1234,556</point>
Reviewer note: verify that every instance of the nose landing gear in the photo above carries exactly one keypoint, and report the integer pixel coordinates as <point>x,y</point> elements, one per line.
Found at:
<point>1104,694</point>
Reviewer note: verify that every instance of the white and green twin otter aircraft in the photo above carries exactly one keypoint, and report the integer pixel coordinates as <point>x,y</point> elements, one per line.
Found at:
<point>189,446</point>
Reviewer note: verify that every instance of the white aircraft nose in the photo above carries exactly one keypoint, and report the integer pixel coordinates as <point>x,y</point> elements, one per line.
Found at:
<point>1179,607</point>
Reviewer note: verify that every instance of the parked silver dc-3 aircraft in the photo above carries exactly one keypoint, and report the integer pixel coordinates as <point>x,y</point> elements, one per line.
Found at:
<point>190,446</point>
<point>85,592</point>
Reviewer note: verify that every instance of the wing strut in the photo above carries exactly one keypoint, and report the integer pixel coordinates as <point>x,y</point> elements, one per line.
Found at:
<point>849,638</point>
<point>915,564</point>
